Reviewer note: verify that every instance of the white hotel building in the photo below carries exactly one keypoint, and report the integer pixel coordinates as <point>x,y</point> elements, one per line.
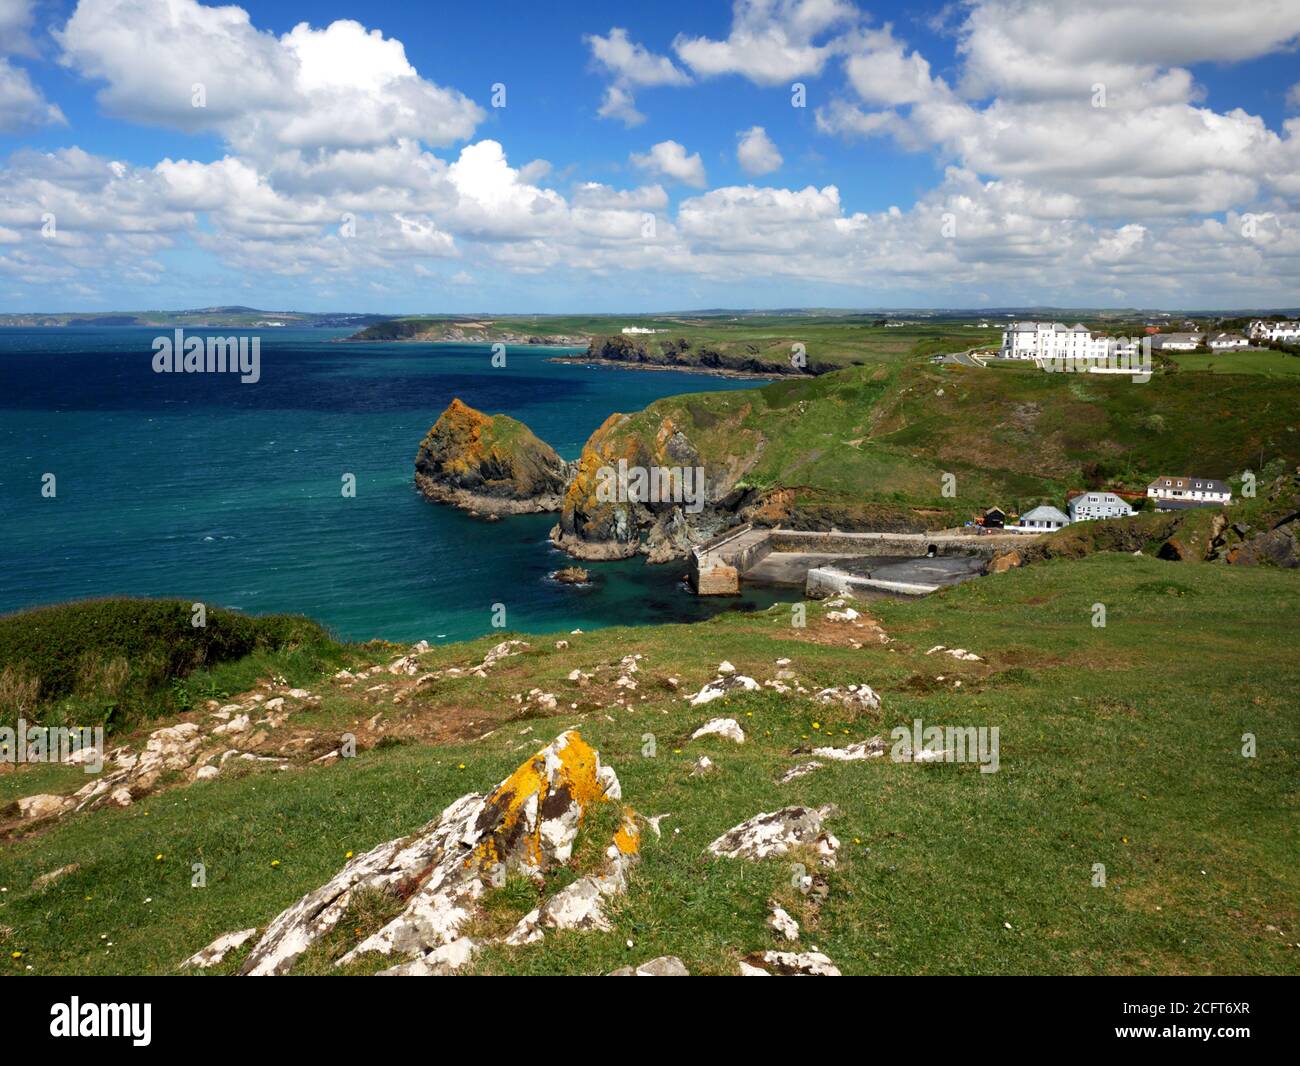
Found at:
<point>1056,341</point>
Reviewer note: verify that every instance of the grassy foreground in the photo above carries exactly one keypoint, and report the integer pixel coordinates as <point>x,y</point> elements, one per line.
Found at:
<point>1120,745</point>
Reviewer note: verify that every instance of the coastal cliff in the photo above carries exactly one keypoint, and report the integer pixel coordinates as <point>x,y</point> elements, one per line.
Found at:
<point>732,359</point>
<point>490,464</point>
<point>609,514</point>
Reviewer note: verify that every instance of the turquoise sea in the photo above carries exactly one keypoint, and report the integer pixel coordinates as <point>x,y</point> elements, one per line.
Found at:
<point>196,485</point>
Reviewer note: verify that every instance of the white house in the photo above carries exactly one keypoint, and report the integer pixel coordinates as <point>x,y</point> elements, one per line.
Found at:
<point>1224,342</point>
<point>1188,491</point>
<point>1092,505</point>
<point>642,329</point>
<point>1177,342</point>
<point>1042,519</point>
<point>1262,330</point>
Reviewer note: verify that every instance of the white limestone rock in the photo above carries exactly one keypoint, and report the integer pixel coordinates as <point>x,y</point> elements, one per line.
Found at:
<point>238,724</point>
<point>723,686</point>
<point>664,966</point>
<point>727,728</point>
<point>798,964</point>
<point>851,697</point>
<point>218,949</point>
<point>771,834</point>
<point>873,748</point>
<point>796,772</point>
<point>528,823</point>
<point>43,805</point>
<point>780,922</point>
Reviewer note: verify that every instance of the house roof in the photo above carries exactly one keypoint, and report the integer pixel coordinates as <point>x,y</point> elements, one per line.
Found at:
<point>1101,497</point>
<point>1189,484</point>
<point>1045,512</point>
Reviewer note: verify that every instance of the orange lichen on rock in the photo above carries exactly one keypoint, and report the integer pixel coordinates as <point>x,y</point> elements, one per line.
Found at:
<point>628,837</point>
<point>551,791</point>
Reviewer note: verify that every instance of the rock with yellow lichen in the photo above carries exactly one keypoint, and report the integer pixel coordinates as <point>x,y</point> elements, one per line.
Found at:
<point>527,825</point>
<point>643,485</point>
<point>492,464</point>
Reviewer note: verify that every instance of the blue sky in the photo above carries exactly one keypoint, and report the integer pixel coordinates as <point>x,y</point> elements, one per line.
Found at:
<point>948,155</point>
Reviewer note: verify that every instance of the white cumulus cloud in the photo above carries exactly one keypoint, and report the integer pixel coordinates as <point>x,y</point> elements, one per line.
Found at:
<point>669,159</point>
<point>756,153</point>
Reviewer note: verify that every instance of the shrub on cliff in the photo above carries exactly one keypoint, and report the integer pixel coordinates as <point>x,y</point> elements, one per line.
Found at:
<point>113,660</point>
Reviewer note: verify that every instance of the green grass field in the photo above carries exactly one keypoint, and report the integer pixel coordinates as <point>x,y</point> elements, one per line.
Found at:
<point>1120,746</point>
<point>1267,363</point>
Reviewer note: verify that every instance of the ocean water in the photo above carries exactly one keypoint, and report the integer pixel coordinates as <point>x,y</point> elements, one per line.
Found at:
<point>196,485</point>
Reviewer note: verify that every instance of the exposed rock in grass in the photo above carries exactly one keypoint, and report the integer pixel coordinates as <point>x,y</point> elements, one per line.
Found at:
<point>664,966</point>
<point>770,834</point>
<point>727,728</point>
<point>527,824</point>
<point>721,686</point>
<point>956,653</point>
<point>502,651</point>
<point>851,697</point>
<point>43,806</point>
<point>703,765</point>
<point>407,664</point>
<point>780,922</point>
<point>863,749</point>
<point>218,949</point>
<point>442,961</point>
<point>794,964</point>
<point>796,772</point>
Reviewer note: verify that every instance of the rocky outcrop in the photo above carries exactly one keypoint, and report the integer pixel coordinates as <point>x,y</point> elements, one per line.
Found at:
<point>646,484</point>
<point>773,834</point>
<point>528,824</point>
<point>491,464</point>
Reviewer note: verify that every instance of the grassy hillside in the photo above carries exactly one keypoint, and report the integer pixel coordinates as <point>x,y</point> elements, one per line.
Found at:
<point>1268,363</point>
<point>885,435</point>
<point>1120,745</point>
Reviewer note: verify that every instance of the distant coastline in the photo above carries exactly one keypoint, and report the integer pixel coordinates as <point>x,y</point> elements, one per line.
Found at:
<point>621,364</point>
